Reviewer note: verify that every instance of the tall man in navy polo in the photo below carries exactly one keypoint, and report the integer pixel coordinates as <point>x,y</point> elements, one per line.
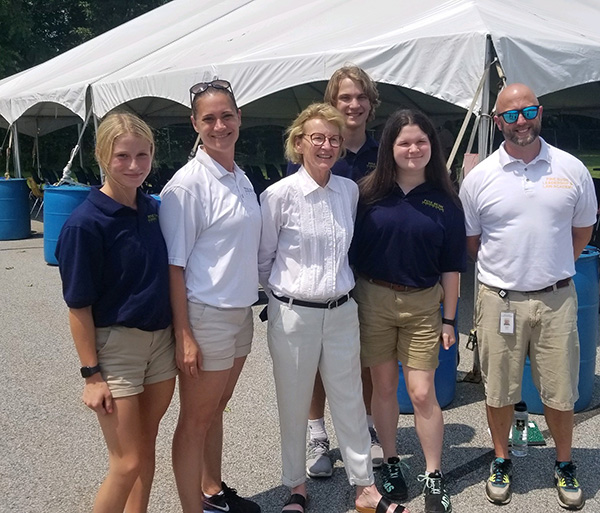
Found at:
<point>529,212</point>
<point>354,93</point>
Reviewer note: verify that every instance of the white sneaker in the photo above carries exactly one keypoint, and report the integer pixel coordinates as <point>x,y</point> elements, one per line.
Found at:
<point>318,462</point>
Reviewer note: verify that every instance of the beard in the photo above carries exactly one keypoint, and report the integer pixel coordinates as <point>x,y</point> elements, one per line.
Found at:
<point>522,140</point>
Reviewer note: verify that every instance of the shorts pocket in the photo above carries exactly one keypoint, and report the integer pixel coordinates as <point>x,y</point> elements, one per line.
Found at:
<point>104,336</point>
<point>196,312</point>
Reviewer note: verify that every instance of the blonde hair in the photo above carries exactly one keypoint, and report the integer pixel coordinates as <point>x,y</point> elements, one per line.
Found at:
<point>323,111</point>
<point>358,76</point>
<point>115,125</point>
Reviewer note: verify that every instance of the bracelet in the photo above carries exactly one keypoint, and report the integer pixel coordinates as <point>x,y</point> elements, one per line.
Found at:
<point>449,322</point>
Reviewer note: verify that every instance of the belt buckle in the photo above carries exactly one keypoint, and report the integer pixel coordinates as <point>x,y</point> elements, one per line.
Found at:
<point>332,304</point>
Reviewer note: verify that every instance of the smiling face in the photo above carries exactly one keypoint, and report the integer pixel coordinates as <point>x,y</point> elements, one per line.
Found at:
<point>522,132</point>
<point>317,160</point>
<point>354,104</point>
<point>412,150</point>
<point>130,162</point>
<point>218,123</point>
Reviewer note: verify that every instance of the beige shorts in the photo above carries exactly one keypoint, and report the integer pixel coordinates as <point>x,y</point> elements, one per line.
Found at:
<point>546,329</point>
<point>400,326</point>
<point>223,334</point>
<point>131,358</point>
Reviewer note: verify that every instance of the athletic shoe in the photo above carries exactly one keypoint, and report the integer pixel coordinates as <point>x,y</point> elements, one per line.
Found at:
<point>497,487</point>
<point>570,495</point>
<point>392,480</point>
<point>318,462</point>
<point>376,450</point>
<point>227,500</point>
<point>437,499</point>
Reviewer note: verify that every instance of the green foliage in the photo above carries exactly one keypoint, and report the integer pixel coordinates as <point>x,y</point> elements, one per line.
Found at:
<point>33,31</point>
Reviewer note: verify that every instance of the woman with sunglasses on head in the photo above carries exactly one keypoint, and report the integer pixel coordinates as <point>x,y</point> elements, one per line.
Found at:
<point>408,250</point>
<point>113,263</point>
<point>210,219</point>
<point>307,226</point>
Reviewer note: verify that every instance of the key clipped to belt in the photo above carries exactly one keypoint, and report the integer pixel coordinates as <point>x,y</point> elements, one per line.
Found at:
<point>472,340</point>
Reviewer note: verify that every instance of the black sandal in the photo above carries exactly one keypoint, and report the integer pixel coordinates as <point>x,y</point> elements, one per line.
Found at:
<point>295,498</point>
<point>382,507</point>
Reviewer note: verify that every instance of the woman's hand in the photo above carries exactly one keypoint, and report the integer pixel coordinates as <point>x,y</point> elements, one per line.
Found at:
<point>97,396</point>
<point>188,355</point>
<point>448,337</point>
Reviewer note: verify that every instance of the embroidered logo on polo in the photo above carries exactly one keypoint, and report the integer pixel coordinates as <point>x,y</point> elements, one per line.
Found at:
<point>433,204</point>
<point>555,182</point>
<point>152,218</point>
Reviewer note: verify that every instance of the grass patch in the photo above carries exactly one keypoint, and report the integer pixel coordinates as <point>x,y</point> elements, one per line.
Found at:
<point>591,160</point>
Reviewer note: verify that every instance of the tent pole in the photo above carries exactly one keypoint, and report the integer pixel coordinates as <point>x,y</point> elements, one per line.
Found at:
<point>79,130</point>
<point>95,138</point>
<point>484,123</point>
<point>16,155</point>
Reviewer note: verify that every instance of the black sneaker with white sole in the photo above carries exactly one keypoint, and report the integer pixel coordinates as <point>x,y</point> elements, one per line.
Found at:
<point>228,501</point>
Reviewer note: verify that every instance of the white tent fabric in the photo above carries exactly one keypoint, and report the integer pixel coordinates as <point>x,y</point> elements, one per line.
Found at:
<point>436,47</point>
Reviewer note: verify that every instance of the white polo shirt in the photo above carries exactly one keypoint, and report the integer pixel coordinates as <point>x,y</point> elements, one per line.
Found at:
<point>210,220</point>
<point>306,234</point>
<point>524,214</point>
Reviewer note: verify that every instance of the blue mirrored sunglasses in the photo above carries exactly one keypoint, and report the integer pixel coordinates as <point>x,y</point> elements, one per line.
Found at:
<point>511,116</point>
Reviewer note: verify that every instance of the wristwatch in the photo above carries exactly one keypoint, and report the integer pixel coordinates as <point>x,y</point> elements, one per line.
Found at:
<point>449,322</point>
<point>86,372</point>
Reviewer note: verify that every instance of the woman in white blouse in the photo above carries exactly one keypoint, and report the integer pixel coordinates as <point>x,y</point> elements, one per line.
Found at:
<point>307,227</point>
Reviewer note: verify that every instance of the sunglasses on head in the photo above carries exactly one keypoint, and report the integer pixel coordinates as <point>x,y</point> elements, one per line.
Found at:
<point>511,116</point>
<point>200,87</point>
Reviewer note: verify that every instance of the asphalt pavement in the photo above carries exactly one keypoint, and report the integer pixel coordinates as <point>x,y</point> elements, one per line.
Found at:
<point>52,455</point>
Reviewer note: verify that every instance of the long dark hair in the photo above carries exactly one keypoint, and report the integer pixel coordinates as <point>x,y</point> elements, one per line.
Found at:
<point>382,180</point>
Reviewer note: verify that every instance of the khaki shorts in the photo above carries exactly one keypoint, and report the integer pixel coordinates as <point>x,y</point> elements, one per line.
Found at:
<point>546,329</point>
<point>131,358</point>
<point>400,326</point>
<point>223,334</point>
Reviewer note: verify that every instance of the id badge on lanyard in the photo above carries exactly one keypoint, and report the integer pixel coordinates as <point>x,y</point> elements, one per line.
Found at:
<point>507,317</point>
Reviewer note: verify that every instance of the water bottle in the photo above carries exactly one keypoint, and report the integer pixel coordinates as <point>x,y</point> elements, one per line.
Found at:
<point>519,430</point>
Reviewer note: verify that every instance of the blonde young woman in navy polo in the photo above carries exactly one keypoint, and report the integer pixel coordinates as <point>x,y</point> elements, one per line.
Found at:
<point>113,263</point>
<point>408,250</point>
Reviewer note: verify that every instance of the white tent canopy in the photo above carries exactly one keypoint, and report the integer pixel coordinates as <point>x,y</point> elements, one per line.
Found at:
<point>276,47</point>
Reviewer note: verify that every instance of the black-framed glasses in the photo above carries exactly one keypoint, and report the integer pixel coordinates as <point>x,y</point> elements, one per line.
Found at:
<point>318,139</point>
<point>200,87</point>
<point>511,116</point>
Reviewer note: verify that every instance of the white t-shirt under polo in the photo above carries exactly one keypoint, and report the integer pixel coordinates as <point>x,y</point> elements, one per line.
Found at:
<point>210,220</point>
<point>524,214</point>
<point>306,234</point>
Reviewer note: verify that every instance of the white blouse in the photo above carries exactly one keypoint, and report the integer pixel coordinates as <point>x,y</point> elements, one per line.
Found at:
<point>306,234</point>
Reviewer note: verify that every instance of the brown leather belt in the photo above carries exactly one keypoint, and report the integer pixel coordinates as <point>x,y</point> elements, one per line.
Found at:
<point>394,286</point>
<point>558,285</point>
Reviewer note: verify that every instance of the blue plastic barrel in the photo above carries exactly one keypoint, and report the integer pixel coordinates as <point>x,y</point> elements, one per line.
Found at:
<point>586,284</point>
<point>59,203</point>
<point>445,378</point>
<point>14,209</point>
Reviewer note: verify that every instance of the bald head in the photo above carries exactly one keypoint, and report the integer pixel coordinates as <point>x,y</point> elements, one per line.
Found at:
<point>515,96</point>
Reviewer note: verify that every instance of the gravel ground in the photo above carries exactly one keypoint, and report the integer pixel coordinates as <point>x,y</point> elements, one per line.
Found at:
<point>52,456</point>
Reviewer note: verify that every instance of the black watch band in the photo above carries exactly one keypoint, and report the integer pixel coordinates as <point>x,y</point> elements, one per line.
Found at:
<point>86,372</point>
<point>449,322</point>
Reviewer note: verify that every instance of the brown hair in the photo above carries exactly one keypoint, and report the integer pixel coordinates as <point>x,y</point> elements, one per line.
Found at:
<point>359,76</point>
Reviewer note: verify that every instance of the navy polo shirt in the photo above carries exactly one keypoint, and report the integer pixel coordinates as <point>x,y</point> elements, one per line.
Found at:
<point>114,258</point>
<point>410,239</point>
<point>353,165</point>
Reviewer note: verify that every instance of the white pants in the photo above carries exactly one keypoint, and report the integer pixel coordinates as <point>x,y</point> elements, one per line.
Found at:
<point>302,339</point>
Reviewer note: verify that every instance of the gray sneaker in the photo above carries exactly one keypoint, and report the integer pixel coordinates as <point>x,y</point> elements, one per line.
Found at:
<point>497,487</point>
<point>318,462</point>
<point>570,495</point>
<point>376,450</point>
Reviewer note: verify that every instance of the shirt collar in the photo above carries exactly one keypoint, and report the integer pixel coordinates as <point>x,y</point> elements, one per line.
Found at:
<point>369,144</point>
<point>506,159</point>
<point>216,169</point>
<point>111,207</point>
<point>308,184</point>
